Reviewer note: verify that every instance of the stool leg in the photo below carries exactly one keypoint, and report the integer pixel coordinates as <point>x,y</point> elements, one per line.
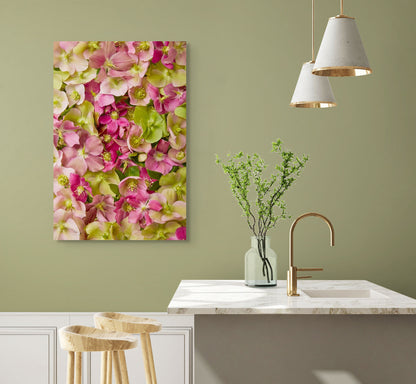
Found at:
<point>117,369</point>
<point>146,358</point>
<point>109,368</point>
<point>151,361</point>
<point>70,368</point>
<point>78,367</point>
<point>103,367</point>
<point>123,365</point>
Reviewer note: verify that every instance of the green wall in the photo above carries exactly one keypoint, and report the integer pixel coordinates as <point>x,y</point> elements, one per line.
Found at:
<point>244,58</point>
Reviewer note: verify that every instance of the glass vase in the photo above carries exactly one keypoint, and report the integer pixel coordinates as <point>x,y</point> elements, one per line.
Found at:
<point>260,263</point>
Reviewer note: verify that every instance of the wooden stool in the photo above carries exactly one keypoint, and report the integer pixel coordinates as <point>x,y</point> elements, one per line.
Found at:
<point>111,321</point>
<point>77,339</point>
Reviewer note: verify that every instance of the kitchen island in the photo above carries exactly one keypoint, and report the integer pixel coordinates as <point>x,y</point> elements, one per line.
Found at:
<point>335,332</point>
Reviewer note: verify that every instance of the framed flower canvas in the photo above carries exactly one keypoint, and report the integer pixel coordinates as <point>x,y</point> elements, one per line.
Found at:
<point>119,134</point>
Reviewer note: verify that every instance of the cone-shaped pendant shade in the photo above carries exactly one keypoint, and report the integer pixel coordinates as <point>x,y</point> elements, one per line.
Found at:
<point>312,91</point>
<point>341,52</point>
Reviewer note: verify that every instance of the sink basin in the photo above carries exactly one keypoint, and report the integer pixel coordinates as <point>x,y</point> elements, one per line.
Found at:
<point>343,294</point>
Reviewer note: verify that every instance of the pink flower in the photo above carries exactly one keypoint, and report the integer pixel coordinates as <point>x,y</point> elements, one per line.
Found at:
<point>108,57</point>
<point>114,118</point>
<point>85,155</point>
<point>177,131</point>
<point>102,208</point>
<point>180,234</point>
<point>116,86</point>
<point>141,214</point>
<point>65,200</point>
<point>174,97</point>
<point>99,100</point>
<point>165,53</point>
<point>61,177</point>
<point>180,47</point>
<point>66,226</point>
<point>134,186</point>
<point>79,187</point>
<point>142,49</point>
<point>158,160</point>
<point>64,133</point>
<point>177,155</point>
<point>140,95</point>
<point>136,142</point>
<point>124,206</point>
<point>172,209</point>
<point>66,60</point>
<point>158,99</point>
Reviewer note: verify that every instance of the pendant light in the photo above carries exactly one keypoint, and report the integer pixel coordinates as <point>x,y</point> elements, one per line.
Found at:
<point>312,91</point>
<point>341,52</point>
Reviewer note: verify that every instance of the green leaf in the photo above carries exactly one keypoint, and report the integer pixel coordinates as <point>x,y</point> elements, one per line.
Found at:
<point>132,171</point>
<point>114,188</point>
<point>155,186</point>
<point>154,174</point>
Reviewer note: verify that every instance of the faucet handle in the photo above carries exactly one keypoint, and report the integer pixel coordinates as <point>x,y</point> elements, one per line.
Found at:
<point>310,269</point>
<point>304,277</point>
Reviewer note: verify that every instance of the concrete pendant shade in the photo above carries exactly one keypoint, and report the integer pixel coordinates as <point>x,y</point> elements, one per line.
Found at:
<point>341,52</point>
<point>312,91</point>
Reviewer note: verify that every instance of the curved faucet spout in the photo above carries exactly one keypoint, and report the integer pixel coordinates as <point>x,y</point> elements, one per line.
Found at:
<point>331,229</point>
<point>292,273</point>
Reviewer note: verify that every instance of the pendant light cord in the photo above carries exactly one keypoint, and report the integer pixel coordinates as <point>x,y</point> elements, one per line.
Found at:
<point>313,31</point>
<point>342,7</point>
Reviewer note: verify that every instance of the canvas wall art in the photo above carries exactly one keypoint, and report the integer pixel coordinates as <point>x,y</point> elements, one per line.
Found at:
<point>119,134</point>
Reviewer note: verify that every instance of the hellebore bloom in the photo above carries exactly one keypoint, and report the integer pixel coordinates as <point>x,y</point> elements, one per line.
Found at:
<point>60,102</point>
<point>85,155</point>
<point>66,60</point>
<point>66,226</point>
<point>180,234</point>
<point>64,133</point>
<point>116,86</point>
<point>83,116</point>
<point>101,182</point>
<point>102,208</point>
<point>180,47</point>
<point>65,200</point>
<point>177,131</point>
<point>139,95</point>
<point>107,57</point>
<point>172,209</point>
<point>114,118</point>
<point>134,186</point>
<point>165,53</point>
<point>76,94</point>
<point>141,214</point>
<point>174,97</point>
<point>175,181</point>
<point>61,177</point>
<point>135,140</point>
<point>158,160</point>
<point>102,231</point>
<point>157,231</point>
<point>142,49</point>
<point>79,187</point>
<point>178,156</point>
<point>124,206</point>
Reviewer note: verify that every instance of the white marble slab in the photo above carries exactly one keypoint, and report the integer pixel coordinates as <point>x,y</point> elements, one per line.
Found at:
<point>200,297</point>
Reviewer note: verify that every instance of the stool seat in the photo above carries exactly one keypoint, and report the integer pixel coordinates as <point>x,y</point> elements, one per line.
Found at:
<point>126,323</point>
<point>79,338</point>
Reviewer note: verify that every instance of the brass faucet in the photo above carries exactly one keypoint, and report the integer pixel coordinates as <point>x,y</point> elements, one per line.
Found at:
<point>292,273</point>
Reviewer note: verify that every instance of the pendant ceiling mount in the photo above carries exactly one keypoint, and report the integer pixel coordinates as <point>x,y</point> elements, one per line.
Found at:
<point>341,52</point>
<point>312,91</point>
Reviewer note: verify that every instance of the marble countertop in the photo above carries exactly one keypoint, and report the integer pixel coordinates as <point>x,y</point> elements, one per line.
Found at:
<point>203,297</point>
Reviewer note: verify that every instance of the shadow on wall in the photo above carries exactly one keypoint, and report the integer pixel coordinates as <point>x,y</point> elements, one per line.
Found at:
<point>336,377</point>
